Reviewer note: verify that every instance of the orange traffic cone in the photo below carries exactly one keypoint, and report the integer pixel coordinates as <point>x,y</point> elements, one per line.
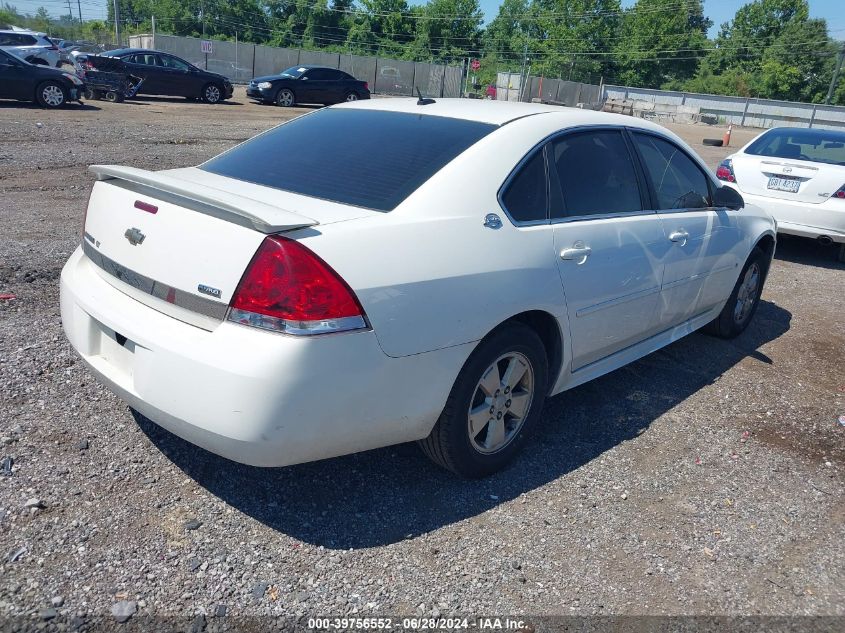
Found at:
<point>726,139</point>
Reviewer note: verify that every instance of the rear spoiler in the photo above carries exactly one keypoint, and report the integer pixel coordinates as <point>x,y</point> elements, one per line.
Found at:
<point>237,209</point>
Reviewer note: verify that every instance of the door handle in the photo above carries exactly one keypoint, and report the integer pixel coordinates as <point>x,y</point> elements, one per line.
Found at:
<point>679,237</point>
<point>578,253</point>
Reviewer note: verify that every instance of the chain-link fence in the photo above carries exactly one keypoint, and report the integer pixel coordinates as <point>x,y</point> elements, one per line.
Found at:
<point>516,87</point>
<point>241,61</point>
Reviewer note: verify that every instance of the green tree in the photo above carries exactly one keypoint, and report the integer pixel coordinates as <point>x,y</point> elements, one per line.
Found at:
<point>449,30</point>
<point>661,42</point>
<point>577,38</point>
<point>742,42</point>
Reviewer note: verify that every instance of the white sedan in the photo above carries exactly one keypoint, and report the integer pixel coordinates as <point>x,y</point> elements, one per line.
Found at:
<point>395,270</point>
<point>798,175</point>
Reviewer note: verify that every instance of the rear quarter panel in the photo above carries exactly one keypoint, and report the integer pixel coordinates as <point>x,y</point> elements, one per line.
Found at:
<point>429,274</point>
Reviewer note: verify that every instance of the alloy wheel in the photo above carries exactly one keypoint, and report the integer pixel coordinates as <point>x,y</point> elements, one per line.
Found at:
<point>212,94</point>
<point>747,294</point>
<point>285,98</point>
<point>53,95</point>
<point>500,403</point>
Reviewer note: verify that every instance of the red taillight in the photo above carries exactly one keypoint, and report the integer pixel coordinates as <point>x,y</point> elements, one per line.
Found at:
<point>725,171</point>
<point>839,193</point>
<point>366,85</point>
<point>288,288</point>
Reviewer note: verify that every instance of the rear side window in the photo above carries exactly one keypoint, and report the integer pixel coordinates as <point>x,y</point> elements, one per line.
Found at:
<point>678,182</point>
<point>818,146</point>
<point>526,196</point>
<point>367,158</point>
<point>596,174</point>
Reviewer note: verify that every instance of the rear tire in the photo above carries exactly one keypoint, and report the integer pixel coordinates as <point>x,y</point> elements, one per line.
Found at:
<point>495,401</point>
<point>351,96</point>
<point>841,255</point>
<point>50,94</point>
<point>743,302</point>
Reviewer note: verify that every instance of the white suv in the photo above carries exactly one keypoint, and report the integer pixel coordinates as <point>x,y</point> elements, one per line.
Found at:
<point>36,48</point>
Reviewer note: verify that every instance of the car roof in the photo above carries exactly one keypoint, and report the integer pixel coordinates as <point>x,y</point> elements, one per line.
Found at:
<point>129,51</point>
<point>23,32</point>
<point>500,112</point>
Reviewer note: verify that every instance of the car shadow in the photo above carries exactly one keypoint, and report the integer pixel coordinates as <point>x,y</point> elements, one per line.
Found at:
<point>387,495</point>
<point>803,250</point>
<point>31,105</point>
<point>151,100</point>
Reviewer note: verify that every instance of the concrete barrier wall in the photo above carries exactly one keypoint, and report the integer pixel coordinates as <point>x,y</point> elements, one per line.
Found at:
<point>763,113</point>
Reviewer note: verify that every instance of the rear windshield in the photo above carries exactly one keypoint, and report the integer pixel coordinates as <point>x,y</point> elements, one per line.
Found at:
<point>365,158</point>
<point>818,146</point>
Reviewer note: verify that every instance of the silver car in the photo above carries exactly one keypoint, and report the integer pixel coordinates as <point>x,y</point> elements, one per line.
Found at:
<point>36,48</point>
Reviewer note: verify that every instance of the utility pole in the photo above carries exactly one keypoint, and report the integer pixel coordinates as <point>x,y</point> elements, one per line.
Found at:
<point>70,10</point>
<point>835,77</point>
<point>153,20</point>
<point>116,22</point>
<point>522,77</point>
<point>79,6</point>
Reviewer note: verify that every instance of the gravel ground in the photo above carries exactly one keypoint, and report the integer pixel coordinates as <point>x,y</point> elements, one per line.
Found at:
<point>706,478</point>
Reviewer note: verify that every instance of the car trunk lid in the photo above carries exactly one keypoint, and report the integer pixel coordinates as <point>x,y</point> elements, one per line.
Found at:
<point>177,245</point>
<point>787,179</point>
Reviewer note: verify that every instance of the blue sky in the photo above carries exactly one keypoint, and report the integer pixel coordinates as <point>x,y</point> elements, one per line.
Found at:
<point>717,10</point>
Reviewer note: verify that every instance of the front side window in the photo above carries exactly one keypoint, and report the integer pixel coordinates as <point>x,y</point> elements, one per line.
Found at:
<point>526,195</point>
<point>367,158</point>
<point>595,173</point>
<point>678,182</point>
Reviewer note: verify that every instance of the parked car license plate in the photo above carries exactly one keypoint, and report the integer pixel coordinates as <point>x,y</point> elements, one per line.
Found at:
<point>784,184</point>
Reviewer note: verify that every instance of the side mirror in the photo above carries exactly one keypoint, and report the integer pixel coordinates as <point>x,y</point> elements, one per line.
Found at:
<point>729,198</point>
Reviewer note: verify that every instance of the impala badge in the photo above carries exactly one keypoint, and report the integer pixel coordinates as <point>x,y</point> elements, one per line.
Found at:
<point>134,236</point>
<point>208,290</point>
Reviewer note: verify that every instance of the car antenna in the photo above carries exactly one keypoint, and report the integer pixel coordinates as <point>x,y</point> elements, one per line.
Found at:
<point>423,100</point>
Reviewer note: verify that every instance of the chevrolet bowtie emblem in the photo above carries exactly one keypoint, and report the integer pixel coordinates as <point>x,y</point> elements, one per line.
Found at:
<point>134,236</point>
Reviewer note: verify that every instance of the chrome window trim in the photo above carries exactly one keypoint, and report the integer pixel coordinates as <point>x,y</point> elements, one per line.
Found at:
<point>581,218</point>
<point>630,130</point>
<point>603,216</point>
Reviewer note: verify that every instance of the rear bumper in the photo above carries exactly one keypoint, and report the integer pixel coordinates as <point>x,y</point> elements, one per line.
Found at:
<point>806,220</point>
<point>255,397</point>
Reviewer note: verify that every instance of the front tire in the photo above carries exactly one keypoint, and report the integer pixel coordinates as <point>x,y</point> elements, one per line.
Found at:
<point>50,94</point>
<point>285,98</point>
<point>495,401</point>
<point>212,93</point>
<point>743,302</point>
